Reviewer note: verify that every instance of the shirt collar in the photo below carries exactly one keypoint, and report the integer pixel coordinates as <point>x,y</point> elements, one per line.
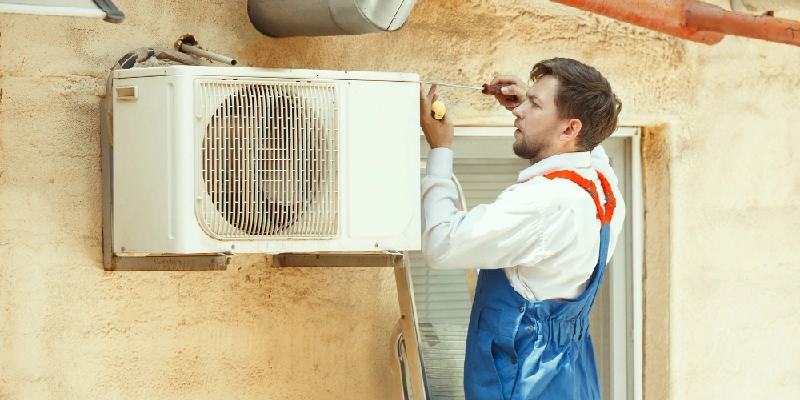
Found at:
<point>557,162</point>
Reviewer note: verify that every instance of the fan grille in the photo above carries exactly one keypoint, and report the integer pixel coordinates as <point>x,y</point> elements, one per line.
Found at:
<point>269,159</point>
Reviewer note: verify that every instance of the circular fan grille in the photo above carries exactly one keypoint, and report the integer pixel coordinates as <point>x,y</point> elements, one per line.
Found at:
<point>269,161</point>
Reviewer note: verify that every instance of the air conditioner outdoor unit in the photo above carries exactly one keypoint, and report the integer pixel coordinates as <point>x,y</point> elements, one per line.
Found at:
<point>217,160</point>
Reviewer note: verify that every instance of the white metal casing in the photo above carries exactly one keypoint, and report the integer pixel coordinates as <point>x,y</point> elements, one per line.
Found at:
<point>158,128</point>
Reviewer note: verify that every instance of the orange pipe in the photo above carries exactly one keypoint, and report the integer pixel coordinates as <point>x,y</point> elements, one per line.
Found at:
<point>659,15</point>
<point>692,19</point>
<point>708,17</point>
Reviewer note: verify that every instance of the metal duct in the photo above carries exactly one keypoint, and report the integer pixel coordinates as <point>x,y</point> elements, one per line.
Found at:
<point>284,18</point>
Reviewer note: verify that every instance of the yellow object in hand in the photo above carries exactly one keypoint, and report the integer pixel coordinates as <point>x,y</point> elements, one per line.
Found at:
<point>438,109</point>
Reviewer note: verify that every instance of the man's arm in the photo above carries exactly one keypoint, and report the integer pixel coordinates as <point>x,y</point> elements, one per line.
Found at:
<point>497,235</point>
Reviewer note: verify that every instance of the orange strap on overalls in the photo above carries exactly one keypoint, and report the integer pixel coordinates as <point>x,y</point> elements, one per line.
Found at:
<point>603,213</point>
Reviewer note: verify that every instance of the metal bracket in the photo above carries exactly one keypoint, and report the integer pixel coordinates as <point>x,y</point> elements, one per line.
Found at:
<point>360,260</point>
<point>200,262</point>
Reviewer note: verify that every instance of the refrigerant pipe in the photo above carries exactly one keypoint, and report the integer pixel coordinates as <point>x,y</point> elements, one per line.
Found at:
<point>188,48</point>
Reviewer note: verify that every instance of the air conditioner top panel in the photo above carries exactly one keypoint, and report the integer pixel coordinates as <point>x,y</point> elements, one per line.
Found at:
<point>247,72</point>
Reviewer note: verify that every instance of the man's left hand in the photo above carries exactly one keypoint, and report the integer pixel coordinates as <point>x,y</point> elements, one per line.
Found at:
<point>437,133</point>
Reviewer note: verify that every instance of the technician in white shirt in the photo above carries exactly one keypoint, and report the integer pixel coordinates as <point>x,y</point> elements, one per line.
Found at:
<point>545,234</point>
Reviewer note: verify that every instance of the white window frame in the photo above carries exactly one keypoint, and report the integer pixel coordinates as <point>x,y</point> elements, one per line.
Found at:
<point>635,211</point>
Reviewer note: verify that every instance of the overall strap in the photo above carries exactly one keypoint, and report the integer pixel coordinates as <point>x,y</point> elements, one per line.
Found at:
<point>603,213</point>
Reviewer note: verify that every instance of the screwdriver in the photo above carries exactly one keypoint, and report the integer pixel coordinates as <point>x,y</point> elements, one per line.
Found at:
<point>485,88</point>
<point>438,108</point>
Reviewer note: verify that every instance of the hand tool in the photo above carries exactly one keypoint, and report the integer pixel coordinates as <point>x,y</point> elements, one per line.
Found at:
<point>438,109</point>
<point>492,90</point>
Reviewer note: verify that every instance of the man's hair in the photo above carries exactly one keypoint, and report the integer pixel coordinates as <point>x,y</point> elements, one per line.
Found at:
<point>582,93</point>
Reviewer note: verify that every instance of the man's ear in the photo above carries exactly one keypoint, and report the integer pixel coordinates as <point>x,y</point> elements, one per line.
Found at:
<point>571,130</point>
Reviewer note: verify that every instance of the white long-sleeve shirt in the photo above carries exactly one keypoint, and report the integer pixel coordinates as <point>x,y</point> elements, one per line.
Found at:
<point>544,233</point>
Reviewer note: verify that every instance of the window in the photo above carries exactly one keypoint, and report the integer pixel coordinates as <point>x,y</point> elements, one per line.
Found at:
<point>616,319</point>
<point>484,166</point>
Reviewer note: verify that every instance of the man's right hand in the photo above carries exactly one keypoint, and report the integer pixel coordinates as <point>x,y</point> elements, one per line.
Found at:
<point>516,87</point>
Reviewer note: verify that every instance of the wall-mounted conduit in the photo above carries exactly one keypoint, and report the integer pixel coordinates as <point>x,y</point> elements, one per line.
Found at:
<point>693,20</point>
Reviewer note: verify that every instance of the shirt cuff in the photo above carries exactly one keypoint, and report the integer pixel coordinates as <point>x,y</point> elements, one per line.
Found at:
<point>440,163</point>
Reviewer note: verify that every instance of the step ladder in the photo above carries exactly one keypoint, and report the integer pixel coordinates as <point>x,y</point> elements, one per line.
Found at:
<point>429,341</point>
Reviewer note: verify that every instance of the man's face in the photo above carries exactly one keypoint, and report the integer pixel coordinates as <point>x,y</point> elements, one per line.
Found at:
<point>537,121</point>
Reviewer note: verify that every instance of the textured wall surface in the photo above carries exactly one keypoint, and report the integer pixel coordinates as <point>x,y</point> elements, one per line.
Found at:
<point>722,182</point>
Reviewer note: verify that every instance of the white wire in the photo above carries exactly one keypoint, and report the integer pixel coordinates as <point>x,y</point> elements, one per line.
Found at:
<point>462,199</point>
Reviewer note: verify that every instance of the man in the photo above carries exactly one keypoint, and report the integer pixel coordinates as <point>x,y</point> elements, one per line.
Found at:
<point>542,246</point>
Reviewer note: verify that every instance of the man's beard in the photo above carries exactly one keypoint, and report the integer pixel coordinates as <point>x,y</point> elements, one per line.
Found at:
<point>531,147</point>
<point>528,151</point>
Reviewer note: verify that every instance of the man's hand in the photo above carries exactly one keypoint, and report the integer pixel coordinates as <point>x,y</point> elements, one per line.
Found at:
<point>516,88</point>
<point>437,133</point>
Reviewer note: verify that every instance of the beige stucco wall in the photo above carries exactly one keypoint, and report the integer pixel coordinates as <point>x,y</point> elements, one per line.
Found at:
<point>722,183</point>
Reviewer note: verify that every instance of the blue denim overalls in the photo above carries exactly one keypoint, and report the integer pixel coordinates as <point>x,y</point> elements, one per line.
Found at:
<point>521,349</point>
